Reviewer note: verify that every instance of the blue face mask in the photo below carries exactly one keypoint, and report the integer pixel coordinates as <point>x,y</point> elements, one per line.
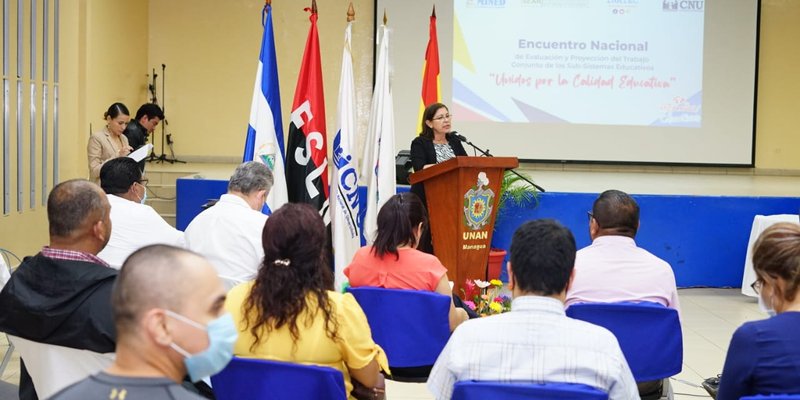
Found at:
<point>222,335</point>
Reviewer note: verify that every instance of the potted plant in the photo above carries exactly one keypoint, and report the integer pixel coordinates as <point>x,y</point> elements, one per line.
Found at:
<point>514,192</point>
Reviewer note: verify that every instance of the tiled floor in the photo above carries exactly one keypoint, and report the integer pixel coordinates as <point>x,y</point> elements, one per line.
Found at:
<point>709,317</point>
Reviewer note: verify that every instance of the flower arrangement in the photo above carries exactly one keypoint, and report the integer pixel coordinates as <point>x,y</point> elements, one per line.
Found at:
<point>485,298</point>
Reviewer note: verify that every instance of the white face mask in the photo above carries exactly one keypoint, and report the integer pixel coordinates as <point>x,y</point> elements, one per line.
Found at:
<point>764,307</point>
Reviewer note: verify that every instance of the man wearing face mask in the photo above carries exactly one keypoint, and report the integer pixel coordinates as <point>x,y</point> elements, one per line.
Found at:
<point>169,315</point>
<point>61,295</point>
<point>136,224</point>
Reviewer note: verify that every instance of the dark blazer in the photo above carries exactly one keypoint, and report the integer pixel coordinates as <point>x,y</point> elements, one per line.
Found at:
<point>423,153</point>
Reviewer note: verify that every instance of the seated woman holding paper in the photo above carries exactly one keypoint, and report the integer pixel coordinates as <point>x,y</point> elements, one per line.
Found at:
<point>290,312</point>
<point>393,261</point>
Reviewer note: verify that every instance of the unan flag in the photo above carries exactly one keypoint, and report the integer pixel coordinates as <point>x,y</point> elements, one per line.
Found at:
<point>264,141</point>
<point>431,91</point>
<point>306,150</point>
<point>379,170</point>
<point>344,188</point>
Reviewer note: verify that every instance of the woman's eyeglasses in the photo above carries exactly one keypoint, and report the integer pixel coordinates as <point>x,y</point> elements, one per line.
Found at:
<point>443,116</point>
<point>757,285</point>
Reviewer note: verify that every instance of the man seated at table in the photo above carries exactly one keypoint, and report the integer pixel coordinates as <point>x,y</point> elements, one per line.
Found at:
<point>535,342</point>
<point>168,311</point>
<point>135,224</point>
<point>62,296</point>
<point>613,268</point>
<point>229,233</point>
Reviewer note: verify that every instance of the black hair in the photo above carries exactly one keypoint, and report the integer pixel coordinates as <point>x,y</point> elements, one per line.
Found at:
<point>151,110</point>
<point>294,276</point>
<point>115,110</point>
<point>118,174</point>
<point>397,219</point>
<point>427,115</point>
<point>70,203</point>
<point>616,213</point>
<point>542,257</point>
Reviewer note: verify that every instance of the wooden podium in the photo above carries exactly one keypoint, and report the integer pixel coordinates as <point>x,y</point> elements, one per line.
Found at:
<point>462,195</point>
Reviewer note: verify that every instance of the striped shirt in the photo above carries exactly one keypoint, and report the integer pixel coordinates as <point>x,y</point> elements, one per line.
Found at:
<point>71,255</point>
<point>535,342</point>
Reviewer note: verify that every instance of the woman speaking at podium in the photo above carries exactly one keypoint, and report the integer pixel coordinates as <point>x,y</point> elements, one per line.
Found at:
<point>434,144</point>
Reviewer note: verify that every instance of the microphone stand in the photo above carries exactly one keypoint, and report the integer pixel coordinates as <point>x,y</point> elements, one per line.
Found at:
<point>487,154</point>
<point>164,136</point>
<point>154,100</point>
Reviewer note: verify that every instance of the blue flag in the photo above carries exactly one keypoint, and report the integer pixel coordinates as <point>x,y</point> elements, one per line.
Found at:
<point>264,142</point>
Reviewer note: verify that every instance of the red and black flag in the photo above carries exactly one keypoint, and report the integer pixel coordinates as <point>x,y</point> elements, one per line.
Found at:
<point>306,151</point>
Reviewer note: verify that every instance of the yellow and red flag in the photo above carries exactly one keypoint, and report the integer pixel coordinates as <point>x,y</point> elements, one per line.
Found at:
<point>431,92</point>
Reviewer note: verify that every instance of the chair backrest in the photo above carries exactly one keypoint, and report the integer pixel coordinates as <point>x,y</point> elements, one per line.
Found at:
<point>648,333</point>
<point>411,326</point>
<point>53,368</point>
<point>478,390</point>
<point>245,378</point>
<point>772,397</point>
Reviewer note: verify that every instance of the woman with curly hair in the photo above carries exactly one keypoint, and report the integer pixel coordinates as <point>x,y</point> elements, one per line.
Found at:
<point>290,312</point>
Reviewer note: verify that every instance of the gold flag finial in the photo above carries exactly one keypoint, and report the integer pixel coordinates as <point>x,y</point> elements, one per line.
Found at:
<point>351,13</point>
<point>385,19</point>
<point>268,2</point>
<point>433,13</point>
<point>313,6</point>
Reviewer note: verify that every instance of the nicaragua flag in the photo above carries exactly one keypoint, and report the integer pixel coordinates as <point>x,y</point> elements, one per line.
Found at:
<point>264,142</point>
<point>379,169</point>
<point>306,149</point>
<point>344,188</point>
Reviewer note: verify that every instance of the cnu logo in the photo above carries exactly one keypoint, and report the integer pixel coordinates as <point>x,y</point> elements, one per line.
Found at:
<point>349,177</point>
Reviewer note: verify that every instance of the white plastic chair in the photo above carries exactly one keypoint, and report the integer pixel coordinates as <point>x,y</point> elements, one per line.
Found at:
<point>53,368</point>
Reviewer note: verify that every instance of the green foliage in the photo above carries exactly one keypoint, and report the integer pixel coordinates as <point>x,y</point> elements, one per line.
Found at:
<point>515,191</point>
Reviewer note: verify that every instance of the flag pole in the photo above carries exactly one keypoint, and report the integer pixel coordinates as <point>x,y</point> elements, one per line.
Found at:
<point>385,19</point>
<point>351,13</point>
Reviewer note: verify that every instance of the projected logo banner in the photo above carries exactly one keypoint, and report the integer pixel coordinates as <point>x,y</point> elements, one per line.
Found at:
<point>631,62</point>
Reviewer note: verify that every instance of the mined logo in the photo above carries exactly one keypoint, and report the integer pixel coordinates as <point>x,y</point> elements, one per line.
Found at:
<point>478,203</point>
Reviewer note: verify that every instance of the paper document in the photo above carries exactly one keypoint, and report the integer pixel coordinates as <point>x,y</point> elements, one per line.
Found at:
<point>141,153</point>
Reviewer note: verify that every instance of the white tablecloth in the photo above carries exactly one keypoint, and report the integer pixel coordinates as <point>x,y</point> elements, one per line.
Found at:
<point>760,223</point>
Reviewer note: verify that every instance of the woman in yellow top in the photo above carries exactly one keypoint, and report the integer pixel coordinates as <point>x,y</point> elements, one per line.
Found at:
<point>289,313</point>
<point>110,142</point>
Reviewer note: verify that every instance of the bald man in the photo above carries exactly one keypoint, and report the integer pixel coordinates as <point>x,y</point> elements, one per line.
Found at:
<point>168,310</point>
<point>62,295</point>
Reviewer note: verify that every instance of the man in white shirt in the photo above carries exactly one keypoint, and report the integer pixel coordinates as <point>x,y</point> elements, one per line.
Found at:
<point>135,224</point>
<point>229,233</point>
<point>535,342</point>
<point>613,268</point>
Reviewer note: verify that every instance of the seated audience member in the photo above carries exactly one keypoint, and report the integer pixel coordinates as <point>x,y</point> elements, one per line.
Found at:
<point>62,296</point>
<point>764,356</point>
<point>613,268</point>
<point>393,260</point>
<point>535,342</point>
<point>290,312</point>
<point>135,224</point>
<point>169,315</point>
<point>229,233</point>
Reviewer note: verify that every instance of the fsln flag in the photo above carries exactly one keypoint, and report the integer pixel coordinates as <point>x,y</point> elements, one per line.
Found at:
<point>344,188</point>
<point>431,90</point>
<point>306,150</point>
<point>264,142</point>
<point>379,149</point>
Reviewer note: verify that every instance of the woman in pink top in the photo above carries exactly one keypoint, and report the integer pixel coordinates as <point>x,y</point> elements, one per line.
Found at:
<point>393,261</point>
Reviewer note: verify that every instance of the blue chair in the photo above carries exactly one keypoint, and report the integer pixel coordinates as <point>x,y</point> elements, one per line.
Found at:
<point>411,326</point>
<point>648,333</point>
<point>482,390</point>
<point>246,378</point>
<point>772,397</point>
